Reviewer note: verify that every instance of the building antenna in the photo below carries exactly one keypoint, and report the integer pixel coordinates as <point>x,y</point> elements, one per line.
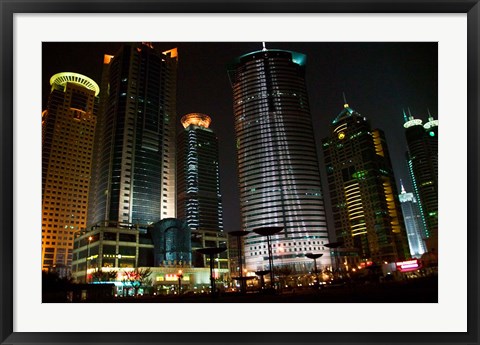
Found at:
<point>430,117</point>
<point>402,187</point>
<point>405,118</point>
<point>264,47</point>
<point>345,104</point>
<point>410,113</point>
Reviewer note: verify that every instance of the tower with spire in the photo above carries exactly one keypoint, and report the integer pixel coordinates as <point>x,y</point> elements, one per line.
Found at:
<point>277,165</point>
<point>422,161</point>
<point>366,210</point>
<point>413,222</point>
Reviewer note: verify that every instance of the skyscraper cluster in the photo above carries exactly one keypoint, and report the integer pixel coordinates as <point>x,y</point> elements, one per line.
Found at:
<point>118,175</point>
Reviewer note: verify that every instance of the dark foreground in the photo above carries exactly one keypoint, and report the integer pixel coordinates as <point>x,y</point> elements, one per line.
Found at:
<point>421,290</point>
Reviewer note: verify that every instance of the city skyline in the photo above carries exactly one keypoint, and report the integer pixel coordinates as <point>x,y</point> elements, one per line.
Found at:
<point>378,79</point>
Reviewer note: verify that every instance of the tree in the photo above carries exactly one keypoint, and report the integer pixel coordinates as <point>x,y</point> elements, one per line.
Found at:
<point>284,272</point>
<point>138,278</point>
<point>104,276</point>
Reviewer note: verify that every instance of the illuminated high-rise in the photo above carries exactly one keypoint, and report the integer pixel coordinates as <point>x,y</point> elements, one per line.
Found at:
<point>413,223</point>
<point>133,181</point>
<point>366,209</point>
<point>278,168</point>
<point>199,201</point>
<point>68,127</point>
<point>422,160</point>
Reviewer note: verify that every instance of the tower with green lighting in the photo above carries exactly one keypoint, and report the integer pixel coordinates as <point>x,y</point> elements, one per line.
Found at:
<point>422,160</point>
<point>366,209</point>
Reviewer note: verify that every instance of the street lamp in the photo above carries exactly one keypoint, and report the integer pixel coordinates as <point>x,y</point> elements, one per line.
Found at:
<point>211,251</point>
<point>90,238</point>
<point>334,246</point>
<point>315,257</point>
<point>269,231</point>
<point>240,234</point>
<point>262,280</point>
<point>180,276</point>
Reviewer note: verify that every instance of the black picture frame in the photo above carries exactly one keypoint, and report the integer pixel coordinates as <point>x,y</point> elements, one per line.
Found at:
<point>10,7</point>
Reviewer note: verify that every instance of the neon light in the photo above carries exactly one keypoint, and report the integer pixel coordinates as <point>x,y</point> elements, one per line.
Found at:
<point>430,124</point>
<point>414,122</point>
<point>173,52</point>
<point>196,119</point>
<point>409,265</point>
<point>107,59</point>
<point>62,78</point>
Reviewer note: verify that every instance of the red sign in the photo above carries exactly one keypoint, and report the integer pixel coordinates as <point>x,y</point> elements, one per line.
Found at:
<point>409,265</point>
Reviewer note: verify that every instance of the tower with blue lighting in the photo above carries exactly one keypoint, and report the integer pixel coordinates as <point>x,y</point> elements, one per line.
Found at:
<point>413,223</point>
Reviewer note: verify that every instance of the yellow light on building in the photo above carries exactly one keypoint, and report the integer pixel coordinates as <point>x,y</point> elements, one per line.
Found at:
<point>196,119</point>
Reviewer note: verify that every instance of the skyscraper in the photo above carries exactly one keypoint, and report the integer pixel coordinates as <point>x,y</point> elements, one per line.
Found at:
<point>422,159</point>
<point>278,169</point>
<point>134,164</point>
<point>366,210</point>
<point>199,201</point>
<point>68,127</point>
<point>413,223</point>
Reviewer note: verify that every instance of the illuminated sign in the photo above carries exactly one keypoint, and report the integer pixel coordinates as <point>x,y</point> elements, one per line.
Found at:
<point>172,278</point>
<point>409,265</point>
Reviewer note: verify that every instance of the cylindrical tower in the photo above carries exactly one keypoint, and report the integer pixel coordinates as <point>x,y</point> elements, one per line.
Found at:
<point>278,168</point>
<point>422,159</point>
<point>68,127</point>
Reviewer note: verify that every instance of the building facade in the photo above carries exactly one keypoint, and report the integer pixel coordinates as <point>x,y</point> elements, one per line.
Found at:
<point>413,223</point>
<point>199,201</point>
<point>133,180</point>
<point>111,253</point>
<point>172,243</point>
<point>68,127</point>
<point>366,209</point>
<point>278,169</point>
<point>422,160</point>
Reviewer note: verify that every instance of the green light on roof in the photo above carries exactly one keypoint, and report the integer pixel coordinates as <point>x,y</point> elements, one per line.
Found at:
<point>432,134</point>
<point>297,58</point>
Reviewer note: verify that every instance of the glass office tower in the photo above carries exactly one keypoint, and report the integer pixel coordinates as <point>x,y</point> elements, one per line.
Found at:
<point>134,166</point>
<point>68,127</point>
<point>422,159</point>
<point>199,201</point>
<point>366,210</point>
<point>413,223</point>
<point>278,169</point>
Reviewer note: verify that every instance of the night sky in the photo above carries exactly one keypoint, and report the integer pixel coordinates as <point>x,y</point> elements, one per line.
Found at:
<point>378,79</point>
